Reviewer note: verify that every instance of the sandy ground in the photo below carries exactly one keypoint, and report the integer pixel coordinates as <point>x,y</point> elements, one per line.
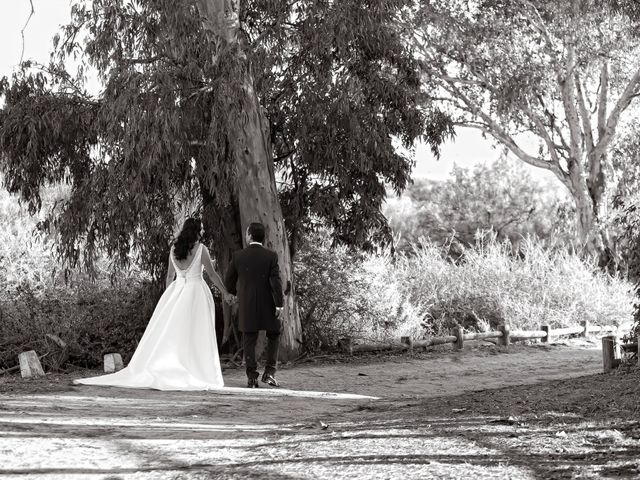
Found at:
<point>437,415</point>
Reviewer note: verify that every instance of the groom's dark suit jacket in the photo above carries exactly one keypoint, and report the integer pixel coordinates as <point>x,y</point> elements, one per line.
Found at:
<point>254,276</point>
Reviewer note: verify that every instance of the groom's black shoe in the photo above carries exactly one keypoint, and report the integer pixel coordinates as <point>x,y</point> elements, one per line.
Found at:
<point>252,383</point>
<point>270,380</point>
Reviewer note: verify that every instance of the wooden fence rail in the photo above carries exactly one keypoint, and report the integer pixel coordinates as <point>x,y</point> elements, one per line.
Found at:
<point>504,337</point>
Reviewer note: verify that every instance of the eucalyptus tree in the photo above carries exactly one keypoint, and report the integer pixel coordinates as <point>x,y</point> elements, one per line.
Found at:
<point>563,71</point>
<point>196,96</point>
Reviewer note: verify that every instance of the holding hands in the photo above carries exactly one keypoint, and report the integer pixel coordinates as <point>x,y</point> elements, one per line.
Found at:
<point>229,298</point>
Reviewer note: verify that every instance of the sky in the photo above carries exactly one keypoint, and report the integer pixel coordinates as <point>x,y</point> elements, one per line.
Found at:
<point>468,148</point>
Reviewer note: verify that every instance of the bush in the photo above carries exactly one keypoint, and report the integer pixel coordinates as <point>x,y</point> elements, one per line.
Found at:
<point>378,297</point>
<point>92,321</point>
<point>332,294</point>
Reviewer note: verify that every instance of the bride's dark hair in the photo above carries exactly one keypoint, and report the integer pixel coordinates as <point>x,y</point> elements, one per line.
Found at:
<point>187,238</point>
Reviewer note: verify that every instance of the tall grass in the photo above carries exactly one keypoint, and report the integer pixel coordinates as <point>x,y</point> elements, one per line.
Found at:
<point>425,293</point>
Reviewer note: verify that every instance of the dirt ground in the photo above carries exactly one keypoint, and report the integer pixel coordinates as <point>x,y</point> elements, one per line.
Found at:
<point>527,412</point>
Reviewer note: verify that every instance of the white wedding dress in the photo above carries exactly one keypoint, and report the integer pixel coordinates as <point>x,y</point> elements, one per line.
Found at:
<point>178,350</point>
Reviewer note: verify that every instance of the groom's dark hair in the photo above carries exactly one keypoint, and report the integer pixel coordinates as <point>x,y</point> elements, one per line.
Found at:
<point>257,232</point>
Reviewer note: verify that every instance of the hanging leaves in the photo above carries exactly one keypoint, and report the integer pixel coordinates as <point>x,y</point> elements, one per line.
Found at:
<point>337,83</point>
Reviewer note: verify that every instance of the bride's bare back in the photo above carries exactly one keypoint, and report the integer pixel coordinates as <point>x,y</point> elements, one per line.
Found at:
<point>185,263</point>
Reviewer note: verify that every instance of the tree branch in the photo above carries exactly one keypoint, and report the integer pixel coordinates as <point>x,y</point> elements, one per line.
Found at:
<point>495,130</point>
<point>463,81</point>
<point>142,61</point>
<point>569,103</point>
<point>603,99</point>
<point>543,133</point>
<point>542,28</point>
<point>221,17</point>
<point>630,92</point>
<point>553,124</point>
<point>584,114</point>
<point>25,27</point>
<point>284,156</point>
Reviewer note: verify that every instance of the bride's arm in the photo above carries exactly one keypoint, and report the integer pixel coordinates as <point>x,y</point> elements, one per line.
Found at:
<point>171,271</point>
<point>213,275</point>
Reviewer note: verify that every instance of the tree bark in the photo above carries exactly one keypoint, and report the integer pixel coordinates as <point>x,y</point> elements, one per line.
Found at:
<point>589,195</point>
<point>257,192</point>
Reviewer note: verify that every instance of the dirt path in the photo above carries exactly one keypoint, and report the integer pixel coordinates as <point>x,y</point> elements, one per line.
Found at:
<point>52,429</point>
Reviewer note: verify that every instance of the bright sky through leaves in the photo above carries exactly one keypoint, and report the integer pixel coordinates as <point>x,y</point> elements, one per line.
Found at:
<point>468,149</point>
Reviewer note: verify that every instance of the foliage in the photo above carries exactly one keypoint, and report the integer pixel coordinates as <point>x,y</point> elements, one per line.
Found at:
<point>345,294</point>
<point>331,288</point>
<point>501,197</point>
<point>628,220</point>
<point>25,257</point>
<point>92,321</point>
<point>123,154</point>
<point>345,89</point>
<point>564,72</point>
<point>539,287</point>
<point>625,162</point>
<point>92,314</point>
<point>626,201</point>
<point>377,297</point>
<point>336,92</point>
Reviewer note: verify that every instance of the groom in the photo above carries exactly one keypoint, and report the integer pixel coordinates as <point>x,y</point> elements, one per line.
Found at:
<point>254,276</point>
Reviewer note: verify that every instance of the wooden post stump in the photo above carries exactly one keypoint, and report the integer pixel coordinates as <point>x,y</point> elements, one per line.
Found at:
<point>112,362</point>
<point>346,344</point>
<point>59,352</point>
<point>459,333</point>
<point>407,341</point>
<point>506,334</point>
<point>609,360</point>
<point>585,325</point>
<point>547,330</point>
<point>30,365</point>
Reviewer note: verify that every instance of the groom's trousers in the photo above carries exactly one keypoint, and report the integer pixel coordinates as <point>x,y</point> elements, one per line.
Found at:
<point>249,340</point>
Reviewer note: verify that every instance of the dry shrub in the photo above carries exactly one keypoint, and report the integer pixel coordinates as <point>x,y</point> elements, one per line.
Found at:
<point>377,297</point>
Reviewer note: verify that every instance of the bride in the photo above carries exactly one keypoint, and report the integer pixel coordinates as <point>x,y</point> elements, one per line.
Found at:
<point>178,350</point>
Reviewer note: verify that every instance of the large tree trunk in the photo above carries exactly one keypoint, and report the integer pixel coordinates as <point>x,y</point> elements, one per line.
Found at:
<point>258,202</point>
<point>591,215</point>
<point>257,191</point>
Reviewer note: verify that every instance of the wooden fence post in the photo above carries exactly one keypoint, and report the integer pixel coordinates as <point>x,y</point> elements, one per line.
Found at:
<point>547,329</point>
<point>459,333</point>
<point>407,341</point>
<point>609,353</point>
<point>504,328</point>
<point>585,325</point>
<point>346,344</point>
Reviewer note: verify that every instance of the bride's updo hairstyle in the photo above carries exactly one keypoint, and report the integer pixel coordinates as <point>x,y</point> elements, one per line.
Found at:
<point>187,238</point>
